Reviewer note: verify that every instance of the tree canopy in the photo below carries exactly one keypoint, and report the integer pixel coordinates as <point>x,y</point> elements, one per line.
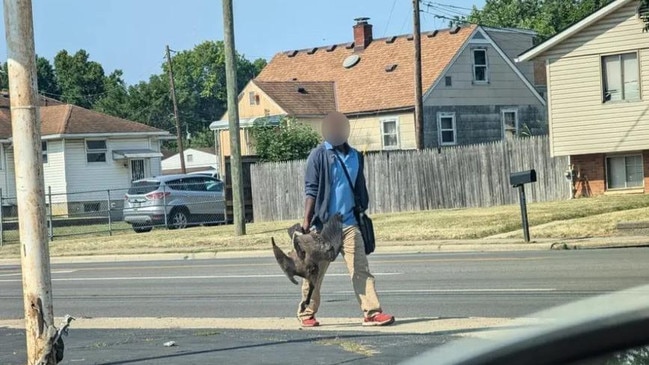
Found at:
<point>199,76</point>
<point>546,17</point>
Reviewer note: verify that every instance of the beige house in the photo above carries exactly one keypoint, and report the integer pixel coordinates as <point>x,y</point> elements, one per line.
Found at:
<point>598,87</point>
<point>474,92</point>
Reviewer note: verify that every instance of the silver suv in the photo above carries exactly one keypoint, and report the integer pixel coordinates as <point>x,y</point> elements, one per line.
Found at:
<point>174,200</point>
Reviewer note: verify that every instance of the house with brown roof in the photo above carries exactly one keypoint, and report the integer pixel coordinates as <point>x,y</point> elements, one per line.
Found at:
<point>473,91</point>
<point>598,87</point>
<point>85,153</point>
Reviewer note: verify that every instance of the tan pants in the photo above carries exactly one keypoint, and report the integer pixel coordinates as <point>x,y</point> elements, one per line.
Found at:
<point>354,254</point>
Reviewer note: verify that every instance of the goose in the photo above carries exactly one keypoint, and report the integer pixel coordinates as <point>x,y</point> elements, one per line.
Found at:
<point>310,251</point>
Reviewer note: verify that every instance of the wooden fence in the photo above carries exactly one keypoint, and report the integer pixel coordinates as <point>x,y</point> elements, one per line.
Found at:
<point>456,177</point>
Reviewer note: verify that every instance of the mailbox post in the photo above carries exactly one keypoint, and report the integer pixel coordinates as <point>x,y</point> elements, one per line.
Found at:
<point>518,180</point>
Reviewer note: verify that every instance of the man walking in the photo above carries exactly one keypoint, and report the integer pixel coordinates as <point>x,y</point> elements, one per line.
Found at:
<point>328,192</point>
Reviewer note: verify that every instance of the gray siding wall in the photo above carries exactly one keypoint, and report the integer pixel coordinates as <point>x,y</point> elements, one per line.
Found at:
<point>513,44</point>
<point>504,86</point>
<point>482,123</point>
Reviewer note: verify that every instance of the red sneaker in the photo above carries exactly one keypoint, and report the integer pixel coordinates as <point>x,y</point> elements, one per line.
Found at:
<point>310,322</point>
<point>379,319</point>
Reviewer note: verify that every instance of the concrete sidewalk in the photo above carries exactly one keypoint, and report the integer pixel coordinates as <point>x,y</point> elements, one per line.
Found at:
<point>402,325</point>
<point>475,245</point>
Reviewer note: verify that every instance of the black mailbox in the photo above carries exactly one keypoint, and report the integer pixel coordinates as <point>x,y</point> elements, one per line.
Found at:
<point>522,177</point>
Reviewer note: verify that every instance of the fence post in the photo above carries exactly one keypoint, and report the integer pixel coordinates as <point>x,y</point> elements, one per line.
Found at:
<point>164,204</point>
<point>2,221</point>
<point>108,208</point>
<point>50,221</point>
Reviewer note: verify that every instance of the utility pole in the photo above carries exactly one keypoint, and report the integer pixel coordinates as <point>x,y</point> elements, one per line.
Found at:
<point>233,120</point>
<point>173,99</point>
<point>419,107</point>
<point>30,192</point>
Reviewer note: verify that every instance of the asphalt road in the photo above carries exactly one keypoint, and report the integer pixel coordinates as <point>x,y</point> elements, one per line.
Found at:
<point>501,284</point>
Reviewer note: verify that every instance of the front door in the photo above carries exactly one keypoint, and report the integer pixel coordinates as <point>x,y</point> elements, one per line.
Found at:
<point>137,170</point>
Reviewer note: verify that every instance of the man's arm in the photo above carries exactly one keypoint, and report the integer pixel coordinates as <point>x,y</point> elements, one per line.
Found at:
<point>309,205</point>
<point>311,187</point>
<point>361,184</point>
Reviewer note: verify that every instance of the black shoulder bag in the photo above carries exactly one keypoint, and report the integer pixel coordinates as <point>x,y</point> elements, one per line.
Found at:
<point>365,224</point>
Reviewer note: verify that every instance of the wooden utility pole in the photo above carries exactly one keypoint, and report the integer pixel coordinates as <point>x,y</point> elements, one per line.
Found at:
<point>419,107</point>
<point>233,120</point>
<point>172,87</point>
<point>30,191</point>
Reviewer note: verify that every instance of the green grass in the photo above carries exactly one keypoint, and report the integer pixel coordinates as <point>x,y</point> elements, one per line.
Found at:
<point>561,219</point>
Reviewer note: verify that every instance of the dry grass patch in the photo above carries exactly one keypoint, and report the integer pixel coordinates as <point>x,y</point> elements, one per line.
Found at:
<point>574,218</point>
<point>349,346</point>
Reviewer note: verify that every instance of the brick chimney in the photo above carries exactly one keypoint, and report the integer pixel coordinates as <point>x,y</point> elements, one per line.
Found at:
<point>362,34</point>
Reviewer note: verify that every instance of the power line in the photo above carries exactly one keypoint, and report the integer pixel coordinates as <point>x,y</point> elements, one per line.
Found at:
<point>385,32</point>
<point>445,5</point>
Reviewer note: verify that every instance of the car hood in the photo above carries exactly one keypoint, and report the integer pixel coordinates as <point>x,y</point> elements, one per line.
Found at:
<point>556,331</point>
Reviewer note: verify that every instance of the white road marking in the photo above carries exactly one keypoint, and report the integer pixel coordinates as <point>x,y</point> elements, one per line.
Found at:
<point>480,290</point>
<point>189,277</point>
<point>53,272</point>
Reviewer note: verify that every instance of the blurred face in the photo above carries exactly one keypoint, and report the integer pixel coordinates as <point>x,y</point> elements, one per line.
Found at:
<point>335,128</point>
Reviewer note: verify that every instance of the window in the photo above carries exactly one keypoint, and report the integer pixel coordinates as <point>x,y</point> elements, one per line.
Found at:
<point>44,148</point>
<point>510,122</point>
<point>624,172</point>
<point>96,151</point>
<point>195,183</point>
<point>480,67</point>
<point>214,185</point>
<point>176,185</point>
<point>253,98</point>
<point>190,158</point>
<point>448,81</point>
<point>390,133</point>
<point>446,129</point>
<point>91,207</point>
<point>620,77</point>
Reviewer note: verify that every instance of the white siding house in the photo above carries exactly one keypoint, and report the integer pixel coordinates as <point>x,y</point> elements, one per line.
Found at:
<point>196,159</point>
<point>85,154</point>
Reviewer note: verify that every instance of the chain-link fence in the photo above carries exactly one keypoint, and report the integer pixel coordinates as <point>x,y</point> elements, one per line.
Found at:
<point>173,204</point>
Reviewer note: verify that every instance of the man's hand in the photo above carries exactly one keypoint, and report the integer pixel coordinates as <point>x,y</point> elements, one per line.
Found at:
<point>306,226</point>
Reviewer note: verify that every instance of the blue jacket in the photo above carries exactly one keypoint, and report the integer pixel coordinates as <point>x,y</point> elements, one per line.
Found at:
<point>317,183</point>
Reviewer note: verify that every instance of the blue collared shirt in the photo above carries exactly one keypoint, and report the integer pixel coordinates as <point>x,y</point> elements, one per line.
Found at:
<point>342,196</point>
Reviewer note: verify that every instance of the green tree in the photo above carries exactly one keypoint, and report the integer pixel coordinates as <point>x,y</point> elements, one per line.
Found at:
<point>199,75</point>
<point>82,81</point>
<point>203,138</point>
<point>291,140</point>
<point>47,83</point>
<point>114,100</point>
<point>149,103</point>
<point>546,17</point>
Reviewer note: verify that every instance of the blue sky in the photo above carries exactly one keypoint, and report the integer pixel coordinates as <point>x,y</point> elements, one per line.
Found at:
<point>131,34</point>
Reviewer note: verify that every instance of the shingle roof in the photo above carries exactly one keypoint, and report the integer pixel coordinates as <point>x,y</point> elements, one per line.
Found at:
<point>368,86</point>
<point>301,98</point>
<point>70,119</point>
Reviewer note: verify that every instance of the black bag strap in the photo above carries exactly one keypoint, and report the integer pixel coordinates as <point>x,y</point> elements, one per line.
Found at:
<point>349,180</point>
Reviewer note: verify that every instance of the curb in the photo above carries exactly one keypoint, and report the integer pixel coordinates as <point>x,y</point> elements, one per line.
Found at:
<point>480,245</point>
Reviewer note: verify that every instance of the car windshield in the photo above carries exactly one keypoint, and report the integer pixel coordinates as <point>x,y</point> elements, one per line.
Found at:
<point>143,187</point>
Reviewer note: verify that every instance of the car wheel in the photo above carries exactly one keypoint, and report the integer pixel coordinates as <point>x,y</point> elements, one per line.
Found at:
<point>178,219</point>
<point>142,229</point>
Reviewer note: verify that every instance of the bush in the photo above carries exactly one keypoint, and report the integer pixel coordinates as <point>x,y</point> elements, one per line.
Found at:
<point>290,140</point>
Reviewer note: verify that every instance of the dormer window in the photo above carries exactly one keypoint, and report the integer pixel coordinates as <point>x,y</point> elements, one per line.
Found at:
<point>480,66</point>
